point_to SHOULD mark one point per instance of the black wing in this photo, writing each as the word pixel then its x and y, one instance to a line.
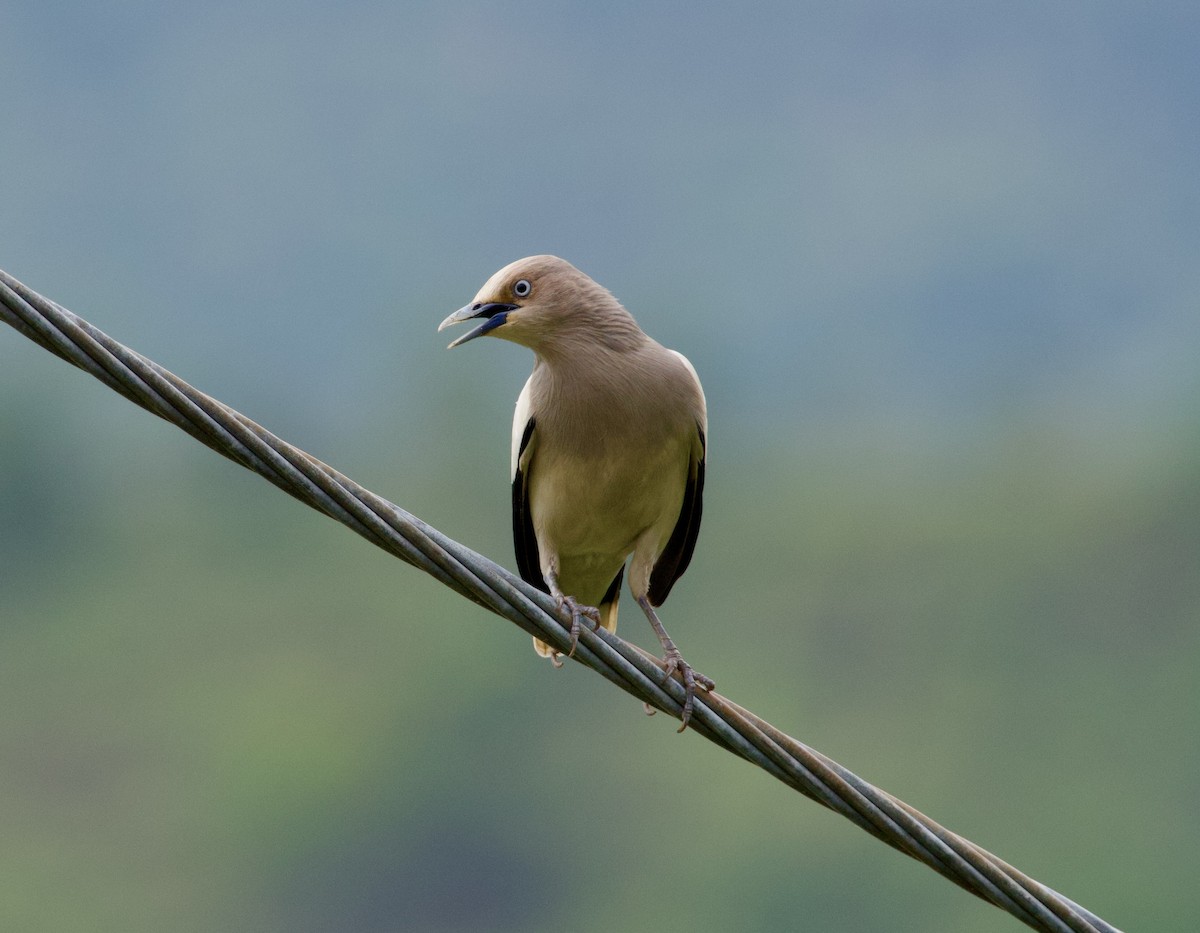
pixel 529 564
pixel 677 554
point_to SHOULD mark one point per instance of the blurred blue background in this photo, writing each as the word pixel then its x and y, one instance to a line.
pixel 939 269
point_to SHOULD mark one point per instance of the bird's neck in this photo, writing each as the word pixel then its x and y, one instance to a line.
pixel 598 390
pixel 583 346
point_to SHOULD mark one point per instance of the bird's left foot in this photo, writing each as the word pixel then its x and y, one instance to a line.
pixel 578 613
pixel 692 680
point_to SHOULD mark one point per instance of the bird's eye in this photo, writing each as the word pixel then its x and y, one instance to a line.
pixel 522 288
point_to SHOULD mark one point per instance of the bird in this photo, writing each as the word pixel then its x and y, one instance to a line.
pixel 609 444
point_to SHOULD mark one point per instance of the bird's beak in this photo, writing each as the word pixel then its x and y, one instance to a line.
pixel 494 314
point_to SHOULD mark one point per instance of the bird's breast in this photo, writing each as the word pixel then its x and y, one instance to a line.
pixel 594 503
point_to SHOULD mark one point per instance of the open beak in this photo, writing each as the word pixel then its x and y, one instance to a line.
pixel 493 313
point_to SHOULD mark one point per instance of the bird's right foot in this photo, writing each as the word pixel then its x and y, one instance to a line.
pixel 578 612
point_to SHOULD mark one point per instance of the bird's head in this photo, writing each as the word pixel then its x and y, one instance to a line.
pixel 541 301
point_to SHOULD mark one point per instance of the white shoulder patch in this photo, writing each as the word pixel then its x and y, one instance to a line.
pixel 520 419
pixel 699 388
pixel 691 369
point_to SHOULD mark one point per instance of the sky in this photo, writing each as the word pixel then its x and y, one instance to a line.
pixel 847 211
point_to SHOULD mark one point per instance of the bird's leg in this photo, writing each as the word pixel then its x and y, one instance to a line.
pixel 572 605
pixel 674 662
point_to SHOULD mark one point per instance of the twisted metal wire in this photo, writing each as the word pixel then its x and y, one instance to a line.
pixel 387 526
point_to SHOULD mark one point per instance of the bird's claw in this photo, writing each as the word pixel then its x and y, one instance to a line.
pixel 578 612
pixel 692 680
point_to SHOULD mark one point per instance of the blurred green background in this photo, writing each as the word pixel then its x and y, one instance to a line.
pixel 939 269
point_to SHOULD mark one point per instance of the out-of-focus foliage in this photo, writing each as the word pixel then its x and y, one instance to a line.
pixel 937 269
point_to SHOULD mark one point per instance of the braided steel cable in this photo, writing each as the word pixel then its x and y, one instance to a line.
pixel 387 526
